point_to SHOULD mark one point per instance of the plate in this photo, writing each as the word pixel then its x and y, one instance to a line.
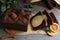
pixel 57 1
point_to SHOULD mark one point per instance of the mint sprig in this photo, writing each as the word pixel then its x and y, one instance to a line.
pixel 46 29
pixel 7 4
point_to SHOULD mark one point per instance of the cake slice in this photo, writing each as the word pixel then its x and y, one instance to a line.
pixel 40 20
pixel 53 17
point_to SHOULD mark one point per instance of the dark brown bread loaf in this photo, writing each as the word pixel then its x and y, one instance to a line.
pixel 16 19
pixel 45 3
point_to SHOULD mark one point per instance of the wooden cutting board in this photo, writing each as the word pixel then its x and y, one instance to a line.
pixel 29 30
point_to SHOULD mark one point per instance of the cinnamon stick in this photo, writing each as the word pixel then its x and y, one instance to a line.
pixel 11 33
pixel 6 36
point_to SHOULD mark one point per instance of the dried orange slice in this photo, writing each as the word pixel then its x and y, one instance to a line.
pixel 51 33
pixel 54 27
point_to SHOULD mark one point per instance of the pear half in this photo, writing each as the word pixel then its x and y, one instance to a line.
pixel 37 20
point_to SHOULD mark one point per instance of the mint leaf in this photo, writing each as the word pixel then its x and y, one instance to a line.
pixel 46 28
pixel 3 8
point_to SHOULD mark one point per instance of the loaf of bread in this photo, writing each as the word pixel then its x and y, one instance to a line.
pixel 16 19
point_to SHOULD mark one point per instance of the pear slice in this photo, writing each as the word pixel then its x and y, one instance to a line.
pixel 37 20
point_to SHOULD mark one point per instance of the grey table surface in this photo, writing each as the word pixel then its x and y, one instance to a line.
pixel 35 9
